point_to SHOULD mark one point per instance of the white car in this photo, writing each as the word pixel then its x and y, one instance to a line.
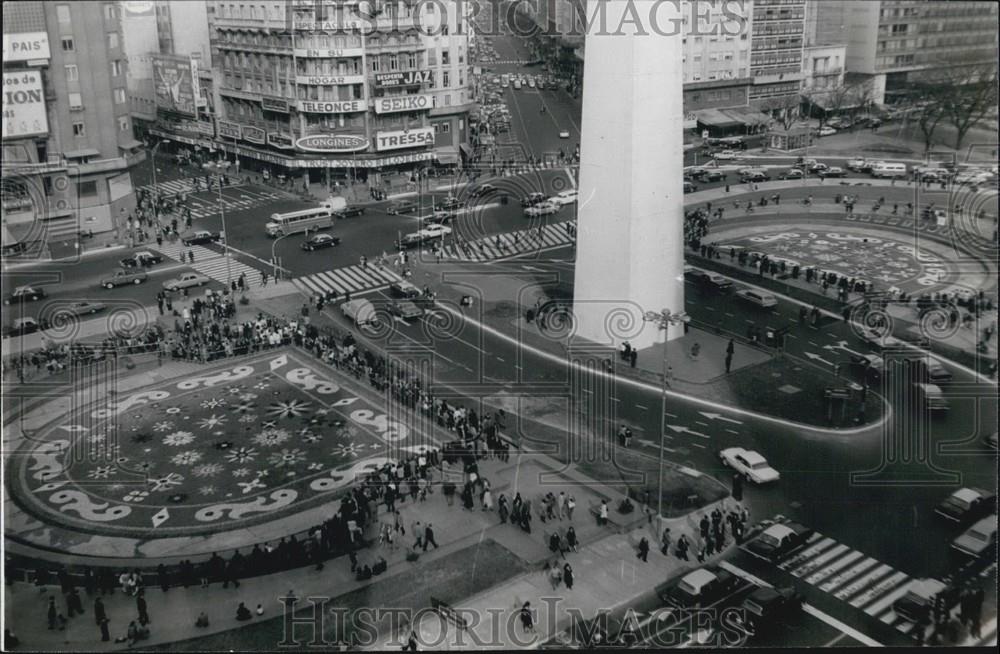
pixel 564 134
pixel 827 131
pixel 435 231
pixel 750 464
pixel 759 298
pixel 564 197
pixel 185 281
pixel 726 155
pixel 542 209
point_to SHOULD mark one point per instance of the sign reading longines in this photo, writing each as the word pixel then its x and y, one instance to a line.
pixel 332 143
pixel 399 103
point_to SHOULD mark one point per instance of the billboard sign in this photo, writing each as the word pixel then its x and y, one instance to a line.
pixel 139 7
pixel 175 83
pixel 254 134
pixel 274 104
pixel 279 140
pixel 329 80
pixel 407 78
pixel 406 139
pixel 336 107
pixel 332 143
pixel 229 129
pixel 400 103
pixel 26 46
pixel 23 105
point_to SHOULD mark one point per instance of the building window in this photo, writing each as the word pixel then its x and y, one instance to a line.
pixel 62 13
pixel 445 58
pixel 88 188
pixel 75 101
pixel 79 129
pixel 120 96
pixel 446 79
pixel 116 68
pixel 109 11
pixel 123 123
pixel 72 73
pixel 112 40
pixel 67 44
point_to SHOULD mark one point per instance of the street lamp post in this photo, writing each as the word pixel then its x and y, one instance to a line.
pixel 152 161
pixel 664 320
pixel 219 168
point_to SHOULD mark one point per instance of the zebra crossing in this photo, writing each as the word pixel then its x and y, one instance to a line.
pixel 349 279
pixel 851 577
pixel 179 186
pixel 208 262
pixel 512 243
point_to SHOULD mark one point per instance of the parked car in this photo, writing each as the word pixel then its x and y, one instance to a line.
pixel 966 505
pixel 22 327
pixel 917 603
pixel 978 541
pixel 700 588
pixel 199 237
pixel 82 308
pixel 123 277
pixel 532 199
pixel 750 464
pixel 755 176
pixel 761 299
pixel 404 206
pixel 320 241
pixel 25 294
pixel 766 608
pixel 833 171
pixel 779 540
pixel 186 280
pixel 542 209
pixel 792 173
pixel 142 259
pixel 564 197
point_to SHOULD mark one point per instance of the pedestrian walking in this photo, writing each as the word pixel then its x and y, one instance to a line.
pixel 52 613
pixel 74 605
pixel 527 619
pixel 571 542
pixel 100 613
pixel 570 507
pixel 429 537
pixel 142 608
pixel 665 542
pixel 643 552
pixel 555 575
pixel 263 278
pixel 105 629
pixel 567 576
pixel 602 515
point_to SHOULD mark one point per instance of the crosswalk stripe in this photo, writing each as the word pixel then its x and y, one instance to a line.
pixel 886 600
pixel 862 582
pixel 839 564
pixel 338 280
pixel 847 575
pixel 819 561
pixel 805 554
pixel 906 626
pixel 353 277
pixel 896 580
pixel 310 285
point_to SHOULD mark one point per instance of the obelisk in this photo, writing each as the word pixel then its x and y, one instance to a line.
pixel 630 257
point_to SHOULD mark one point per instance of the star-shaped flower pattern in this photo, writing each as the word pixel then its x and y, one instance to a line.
pixel 239 473
pixel 166 482
pixel 242 455
pixel 242 407
pixel 271 437
pixel 213 403
pixel 207 469
pixel 310 436
pixel 178 438
pixel 288 409
pixel 102 472
pixel 186 458
pixel 349 449
pixel 213 422
pixel 252 485
pixel 207 490
pixel 286 458
pixel 163 425
pixel 247 418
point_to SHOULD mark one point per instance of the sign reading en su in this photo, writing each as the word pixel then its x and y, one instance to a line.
pixel 408 139
pixel 405 78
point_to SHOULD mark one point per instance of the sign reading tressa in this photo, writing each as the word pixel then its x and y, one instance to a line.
pixel 410 139
pixel 332 143
pixel 403 103
pixel 405 78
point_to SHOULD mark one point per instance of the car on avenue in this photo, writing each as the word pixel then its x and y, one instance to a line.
pixel 858 165
pixel 406 309
pixel 833 171
pixel 689 187
pixel 792 173
pixel 186 280
pixel 978 541
pixel 726 155
pixel 123 277
pixel 542 209
pixel 826 130
pixel 750 464
pixel 426 234
pixel 404 289
pixel 700 588
pixel 532 199
pixel 817 167
pixel 22 327
pixel 81 308
pixel 24 294
pixel 320 241
pixel 141 259
pixel 405 206
pixel 564 134
pixel 761 299
pixel 713 176
pixel 779 540
pixel 917 603
pixel 710 280
pixel 450 203
pixel 199 237
pixel 755 176
pixel 564 197
pixel 483 189
pixel 349 212
pixel 767 608
pixel 966 505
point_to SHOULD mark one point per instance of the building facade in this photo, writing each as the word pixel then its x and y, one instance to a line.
pixel 894 41
pixel 776 54
pixel 68 145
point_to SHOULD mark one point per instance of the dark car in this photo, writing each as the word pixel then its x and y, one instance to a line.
pixel 700 588
pixel 778 540
pixel 689 187
pixel 713 176
pixel 918 601
pixel 818 167
pixel 966 505
pixel 141 260
pixel 24 294
pixel 404 289
pixel 533 198
pixel 756 176
pixel 22 327
pixel 833 172
pixel 766 608
pixel 349 212
pixel 484 189
pixel 320 241
pixel 792 173
pixel 448 204
pixel 710 280
pixel 404 206
pixel 199 237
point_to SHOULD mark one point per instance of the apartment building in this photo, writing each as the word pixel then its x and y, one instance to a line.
pixel 776 53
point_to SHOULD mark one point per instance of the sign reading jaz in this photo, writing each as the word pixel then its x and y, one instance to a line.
pixel 404 78
pixel 409 139
pixel 403 103
pixel 332 143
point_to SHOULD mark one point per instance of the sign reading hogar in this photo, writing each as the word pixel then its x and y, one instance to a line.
pixel 23 105
pixel 398 103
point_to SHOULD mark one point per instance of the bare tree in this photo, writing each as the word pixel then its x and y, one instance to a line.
pixel 972 94
pixel 786 107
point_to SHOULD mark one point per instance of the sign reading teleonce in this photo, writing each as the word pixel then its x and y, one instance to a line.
pixel 332 143
pixel 409 139
pixel 175 83
pixel 403 103
pixel 337 107
pixel 23 105
pixel 405 78
pixel 26 46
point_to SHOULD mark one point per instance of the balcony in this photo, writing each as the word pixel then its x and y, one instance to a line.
pixel 770 76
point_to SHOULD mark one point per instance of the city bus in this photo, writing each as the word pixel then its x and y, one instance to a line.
pixel 306 220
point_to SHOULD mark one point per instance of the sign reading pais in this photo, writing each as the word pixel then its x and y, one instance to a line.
pixel 332 143
pixel 341 107
pixel 403 103
pixel 25 46
pixel 409 139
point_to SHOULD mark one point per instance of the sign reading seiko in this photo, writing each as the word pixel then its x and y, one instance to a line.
pixel 341 107
pixel 332 143
pixel 409 139
pixel 406 78
pixel 399 103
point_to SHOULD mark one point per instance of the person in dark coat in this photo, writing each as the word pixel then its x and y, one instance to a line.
pixel 643 552
pixel 52 613
pixel 74 604
pixel 429 537
pixel 105 629
pixel 243 613
pixel 568 576
pixel 571 539
pixel 527 620
pixel 161 574
pixel 142 608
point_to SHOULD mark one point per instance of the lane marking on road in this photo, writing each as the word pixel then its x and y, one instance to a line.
pixel 709 308
pixel 733 431
pixel 639 406
pixel 699 445
pixel 814 344
pixel 843 628
pixel 730 315
pixel 835 640
pixel 699 422
pixel 501 359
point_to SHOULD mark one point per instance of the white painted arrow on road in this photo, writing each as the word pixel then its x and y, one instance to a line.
pixel 680 429
pixel 842 345
pixel 532 269
pixel 719 416
pixel 816 357
pixel 645 443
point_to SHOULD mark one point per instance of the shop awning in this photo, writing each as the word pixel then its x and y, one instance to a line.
pixel 80 154
pixel 130 144
pixel 748 117
pixel 715 118
pixel 447 156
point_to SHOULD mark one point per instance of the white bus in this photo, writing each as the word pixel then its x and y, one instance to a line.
pixel 306 220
